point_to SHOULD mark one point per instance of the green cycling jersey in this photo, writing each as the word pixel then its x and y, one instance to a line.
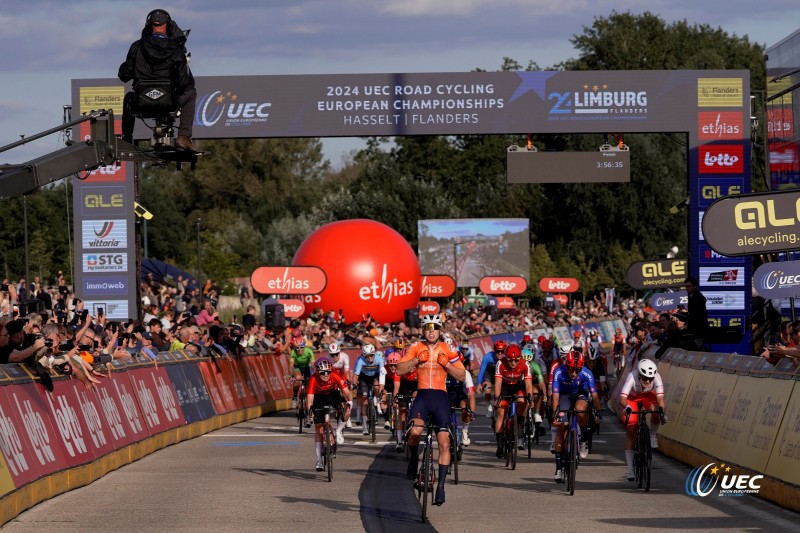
pixel 303 358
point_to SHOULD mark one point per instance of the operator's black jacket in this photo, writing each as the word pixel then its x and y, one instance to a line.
pixel 159 57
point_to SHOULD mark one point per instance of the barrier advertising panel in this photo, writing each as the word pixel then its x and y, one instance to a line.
pixel 785 457
pixel 697 400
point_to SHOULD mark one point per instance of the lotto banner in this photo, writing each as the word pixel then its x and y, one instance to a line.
pixel 708 433
pixel 183 392
pixel 784 462
pixel 221 395
pixel 120 411
pixel 753 420
pixel 480 347
pixel 156 399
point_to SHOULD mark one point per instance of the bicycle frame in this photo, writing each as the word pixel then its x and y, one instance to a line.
pixel 642 453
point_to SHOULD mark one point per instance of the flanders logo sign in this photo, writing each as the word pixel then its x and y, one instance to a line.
pixel 720 92
pixel 750 224
pixel 289 280
pixel 702 481
pixel 778 280
pixel 657 274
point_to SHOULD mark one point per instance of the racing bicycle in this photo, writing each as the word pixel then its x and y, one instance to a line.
pixel 642 453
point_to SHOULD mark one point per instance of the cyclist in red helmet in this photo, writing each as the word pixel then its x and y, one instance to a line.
pixel 512 378
pixel 573 386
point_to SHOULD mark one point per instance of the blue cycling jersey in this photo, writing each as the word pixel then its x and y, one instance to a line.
pixel 566 386
pixel 367 368
pixel 488 364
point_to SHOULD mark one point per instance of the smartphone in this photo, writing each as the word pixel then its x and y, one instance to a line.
pixel 100 311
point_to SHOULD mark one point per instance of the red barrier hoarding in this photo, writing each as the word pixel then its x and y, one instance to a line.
pixel 218 397
pixel 156 400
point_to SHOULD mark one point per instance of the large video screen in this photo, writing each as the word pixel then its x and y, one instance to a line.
pixel 469 249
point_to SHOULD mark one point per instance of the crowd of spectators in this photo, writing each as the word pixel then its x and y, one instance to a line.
pixel 61 334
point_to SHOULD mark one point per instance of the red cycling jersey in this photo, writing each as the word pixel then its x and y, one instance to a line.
pixel 317 386
pixel 411 376
pixel 512 376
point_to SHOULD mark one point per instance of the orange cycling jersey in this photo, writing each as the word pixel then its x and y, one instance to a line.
pixel 431 375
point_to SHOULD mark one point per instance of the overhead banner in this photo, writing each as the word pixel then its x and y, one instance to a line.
pixel 749 224
pixel 778 280
pixel 657 274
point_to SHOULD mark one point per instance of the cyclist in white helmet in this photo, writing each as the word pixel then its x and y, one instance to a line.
pixel 341 367
pixel 644 385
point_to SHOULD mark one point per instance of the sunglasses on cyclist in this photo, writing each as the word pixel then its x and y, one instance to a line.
pixel 335 355
pixel 648 380
pixel 431 327
pixel 324 372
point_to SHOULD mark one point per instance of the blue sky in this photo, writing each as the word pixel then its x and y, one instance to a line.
pixel 47 43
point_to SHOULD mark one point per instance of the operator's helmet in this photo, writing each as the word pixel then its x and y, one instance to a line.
pixel 513 352
pixel 527 355
pixel 367 350
pixel 334 348
pixel 323 364
pixel 647 369
pixel 574 360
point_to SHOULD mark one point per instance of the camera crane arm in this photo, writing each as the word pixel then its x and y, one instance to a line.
pixel 102 148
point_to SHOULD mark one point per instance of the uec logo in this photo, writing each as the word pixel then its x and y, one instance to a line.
pixel 702 480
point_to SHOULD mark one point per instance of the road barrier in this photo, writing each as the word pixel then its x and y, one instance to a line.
pixel 52 442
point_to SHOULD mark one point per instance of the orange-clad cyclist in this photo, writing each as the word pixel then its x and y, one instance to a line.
pixel 434 360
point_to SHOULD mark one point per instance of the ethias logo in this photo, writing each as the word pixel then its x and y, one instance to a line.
pixel 214 106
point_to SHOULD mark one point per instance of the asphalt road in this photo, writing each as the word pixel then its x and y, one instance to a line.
pixel 259 476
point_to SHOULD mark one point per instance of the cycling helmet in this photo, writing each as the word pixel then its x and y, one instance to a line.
pixel 592 332
pixel 465 345
pixel 619 331
pixel 388 351
pixel 393 358
pixel 574 360
pixel 564 350
pixel 334 348
pixel 527 355
pixel 576 334
pixel 500 346
pixel 647 369
pixel 513 352
pixel 436 320
pixel 399 344
pixel 299 342
pixel 547 345
pixel 526 339
pixel 323 363
pixel 447 338
pixel 541 339
pixel 368 349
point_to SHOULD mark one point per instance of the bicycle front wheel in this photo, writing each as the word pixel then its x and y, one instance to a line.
pixel 326 438
pixel 572 452
pixel 427 472
pixel 373 420
pixel 301 418
pixel 454 452
pixel 529 432
pixel 514 440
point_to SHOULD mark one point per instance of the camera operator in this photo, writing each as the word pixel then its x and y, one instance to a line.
pixel 22 346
